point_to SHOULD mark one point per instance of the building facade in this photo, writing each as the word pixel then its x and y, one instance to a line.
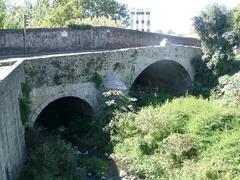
pixel 140 19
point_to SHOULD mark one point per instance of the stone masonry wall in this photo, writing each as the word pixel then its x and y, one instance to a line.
pixel 66 39
pixel 12 143
pixel 75 74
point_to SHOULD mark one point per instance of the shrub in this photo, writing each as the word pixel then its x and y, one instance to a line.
pixel 97 166
pixel 118 101
pixel 228 90
pixel 51 159
pixel 178 147
pixel 154 98
pixel 174 140
pixel 88 23
pixel 79 26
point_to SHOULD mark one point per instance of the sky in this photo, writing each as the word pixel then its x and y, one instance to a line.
pixel 175 15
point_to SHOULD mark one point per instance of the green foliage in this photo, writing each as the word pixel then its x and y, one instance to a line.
pixel 14 18
pixel 214 28
pixel 79 26
pixel 80 128
pixel 97 166
pixel 118 101
pixel 104 8
pixel 153 98
pixel 175 140
pixel 204 80
pixel 50 158
pixel 228 90
pixel 95 21
pixel 2 13
pixel 25 102
pixel 57 13
pixel 97 79
pixel 236 19
pixel 178 148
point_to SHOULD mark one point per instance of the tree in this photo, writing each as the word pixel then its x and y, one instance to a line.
pixel 105 8
pixel 236 19
pixel 55 13
pixel 214 29
pixel 14 18
pixel 40 9
pixel 2 13
pixel 15 15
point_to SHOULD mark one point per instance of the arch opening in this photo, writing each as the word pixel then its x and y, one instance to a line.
pixel 63 111
pixel 166 76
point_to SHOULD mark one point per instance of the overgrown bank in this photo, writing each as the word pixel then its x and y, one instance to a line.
pixel 186 138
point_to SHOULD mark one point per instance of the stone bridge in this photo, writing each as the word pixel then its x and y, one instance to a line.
pixel 80 78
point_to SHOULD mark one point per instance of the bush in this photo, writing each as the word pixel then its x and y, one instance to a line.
pixel 80 26
pixel 228 90
pixel 178 147
pixel 87 23
pixel 51 159
pixel 162 142
pixel 97 166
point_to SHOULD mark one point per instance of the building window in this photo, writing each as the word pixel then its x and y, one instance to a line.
pixel 148 22
pixel 142 21
pixel 140 13
pixel 137 22
pixel 132 13
pixel 147 13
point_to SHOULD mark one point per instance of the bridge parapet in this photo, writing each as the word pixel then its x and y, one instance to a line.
pixel 66 39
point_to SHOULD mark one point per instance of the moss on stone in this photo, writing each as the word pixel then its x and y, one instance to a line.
pixel 118 66
pixel 25 102
pixel 97 79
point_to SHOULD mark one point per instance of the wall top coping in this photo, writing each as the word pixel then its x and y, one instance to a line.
pixel 100 28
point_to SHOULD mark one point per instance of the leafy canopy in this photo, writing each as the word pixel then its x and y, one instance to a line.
pixel 2 13
pixel 55 13
pixel 213 25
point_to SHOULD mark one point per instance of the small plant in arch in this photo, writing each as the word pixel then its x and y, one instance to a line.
pixel 97 79
pixel 117 100
pixel 25 102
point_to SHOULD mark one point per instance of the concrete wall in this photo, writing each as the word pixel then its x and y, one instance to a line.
pixel 12 144
pixel 65 39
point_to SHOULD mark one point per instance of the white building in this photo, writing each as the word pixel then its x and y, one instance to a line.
pixel 140 19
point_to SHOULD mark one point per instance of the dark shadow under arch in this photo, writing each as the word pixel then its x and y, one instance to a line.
pixel 62 111
pixel 165 75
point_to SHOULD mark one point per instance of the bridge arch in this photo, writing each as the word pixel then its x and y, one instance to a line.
pixel 71 101
pixel 165 75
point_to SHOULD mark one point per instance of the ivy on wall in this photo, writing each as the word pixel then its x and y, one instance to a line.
pixel 25 102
